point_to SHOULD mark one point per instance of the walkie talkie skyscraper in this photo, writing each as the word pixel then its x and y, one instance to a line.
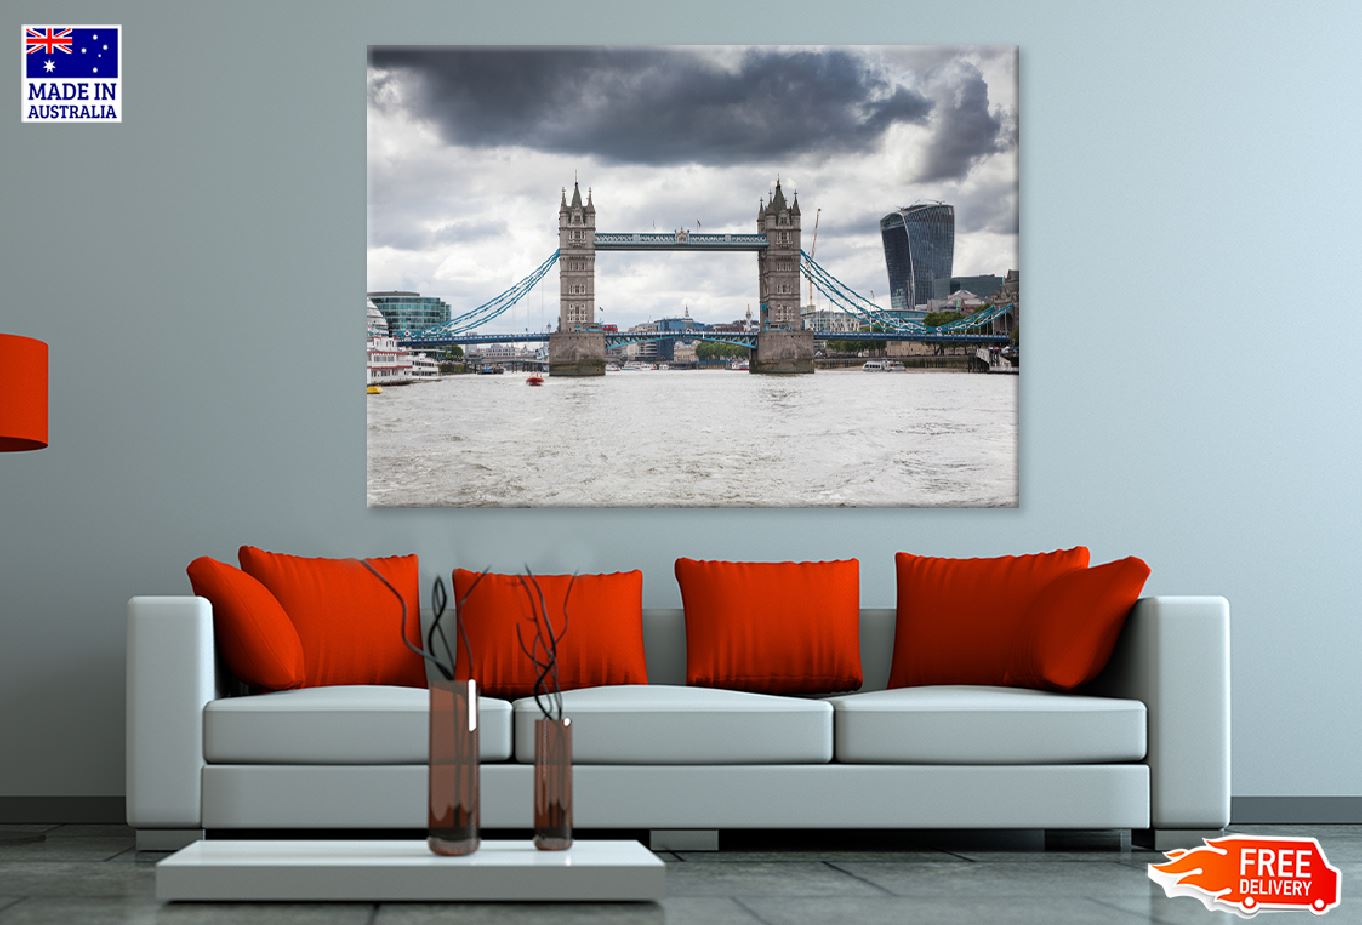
pixel 919 249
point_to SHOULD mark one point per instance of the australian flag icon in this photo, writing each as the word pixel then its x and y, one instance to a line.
pixel 69 51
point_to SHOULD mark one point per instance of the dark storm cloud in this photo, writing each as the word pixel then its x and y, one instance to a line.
pixel 653 106
pixel 990 208
pixel 966 130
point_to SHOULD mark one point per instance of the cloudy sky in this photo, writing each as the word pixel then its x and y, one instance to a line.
pixel 469 148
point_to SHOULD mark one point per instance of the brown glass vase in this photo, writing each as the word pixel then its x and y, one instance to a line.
pixel 553 784
pixel 454 767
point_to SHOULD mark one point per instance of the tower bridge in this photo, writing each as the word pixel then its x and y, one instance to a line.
pixel 780 344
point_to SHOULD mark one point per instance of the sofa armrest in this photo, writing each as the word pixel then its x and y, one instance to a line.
pixel 1174 655
pixel 172 674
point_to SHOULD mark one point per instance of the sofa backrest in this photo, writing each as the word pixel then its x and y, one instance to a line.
pixel 664 640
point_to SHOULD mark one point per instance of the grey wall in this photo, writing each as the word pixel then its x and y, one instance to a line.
pixel 1189 180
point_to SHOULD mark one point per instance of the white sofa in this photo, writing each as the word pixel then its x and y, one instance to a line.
pixel 1146 748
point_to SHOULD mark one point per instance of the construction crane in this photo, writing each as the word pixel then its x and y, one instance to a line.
pixel 813 246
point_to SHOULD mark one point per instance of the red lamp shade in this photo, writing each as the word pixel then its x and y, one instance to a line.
pixel 23 393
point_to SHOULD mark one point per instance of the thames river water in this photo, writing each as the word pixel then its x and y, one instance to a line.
pixel 700 438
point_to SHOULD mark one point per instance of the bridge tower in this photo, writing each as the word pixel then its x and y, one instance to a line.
pixel 783 346
pixel 573 350
pixel 576 261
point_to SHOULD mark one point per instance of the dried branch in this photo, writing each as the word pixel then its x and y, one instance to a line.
pixel 439 599
pixel 542 667
pixel 458 619
pixel 547 691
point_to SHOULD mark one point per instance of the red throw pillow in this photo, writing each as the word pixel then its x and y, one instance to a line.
pixel 958 618
pixel 603 642
pixel 348 622
pixel 254 635
pixel 1070 628
pixel 772 627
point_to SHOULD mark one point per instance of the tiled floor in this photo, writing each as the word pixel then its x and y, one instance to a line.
pixel 91 875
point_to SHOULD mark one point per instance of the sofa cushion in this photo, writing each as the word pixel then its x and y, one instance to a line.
pixel 958 619
pixel 257 640
pixel 662 724
pixel 349 724
pixel 956 724
pixel 602 640
pixel 772 627
pixel 1070 629
pixel 349 623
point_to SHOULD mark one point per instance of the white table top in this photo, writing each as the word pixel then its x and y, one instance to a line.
pixel 389 870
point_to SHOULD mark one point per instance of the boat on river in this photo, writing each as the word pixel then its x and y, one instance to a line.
pixel 385 362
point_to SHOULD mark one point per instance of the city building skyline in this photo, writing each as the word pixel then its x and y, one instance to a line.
pixel 919 253
pixel 468 159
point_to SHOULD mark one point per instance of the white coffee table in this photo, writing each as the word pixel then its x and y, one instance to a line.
pixel 397 871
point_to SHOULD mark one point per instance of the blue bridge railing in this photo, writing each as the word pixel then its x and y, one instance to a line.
pixel 878 323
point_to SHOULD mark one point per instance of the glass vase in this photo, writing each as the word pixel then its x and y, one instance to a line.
pixel 553 784
pixel 454 767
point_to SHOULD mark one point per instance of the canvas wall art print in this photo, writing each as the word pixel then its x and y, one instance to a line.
pixel 692 276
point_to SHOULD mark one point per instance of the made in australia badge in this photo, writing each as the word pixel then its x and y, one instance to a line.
pixel 71 73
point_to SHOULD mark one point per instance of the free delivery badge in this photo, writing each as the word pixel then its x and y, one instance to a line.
pixel 1244 875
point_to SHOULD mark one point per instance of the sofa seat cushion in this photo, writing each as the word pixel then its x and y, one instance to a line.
pixel 344 724
pixel 964 724
pixel 664 724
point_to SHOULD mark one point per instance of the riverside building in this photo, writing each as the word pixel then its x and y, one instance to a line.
pixel 986 285
pixel 410 311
